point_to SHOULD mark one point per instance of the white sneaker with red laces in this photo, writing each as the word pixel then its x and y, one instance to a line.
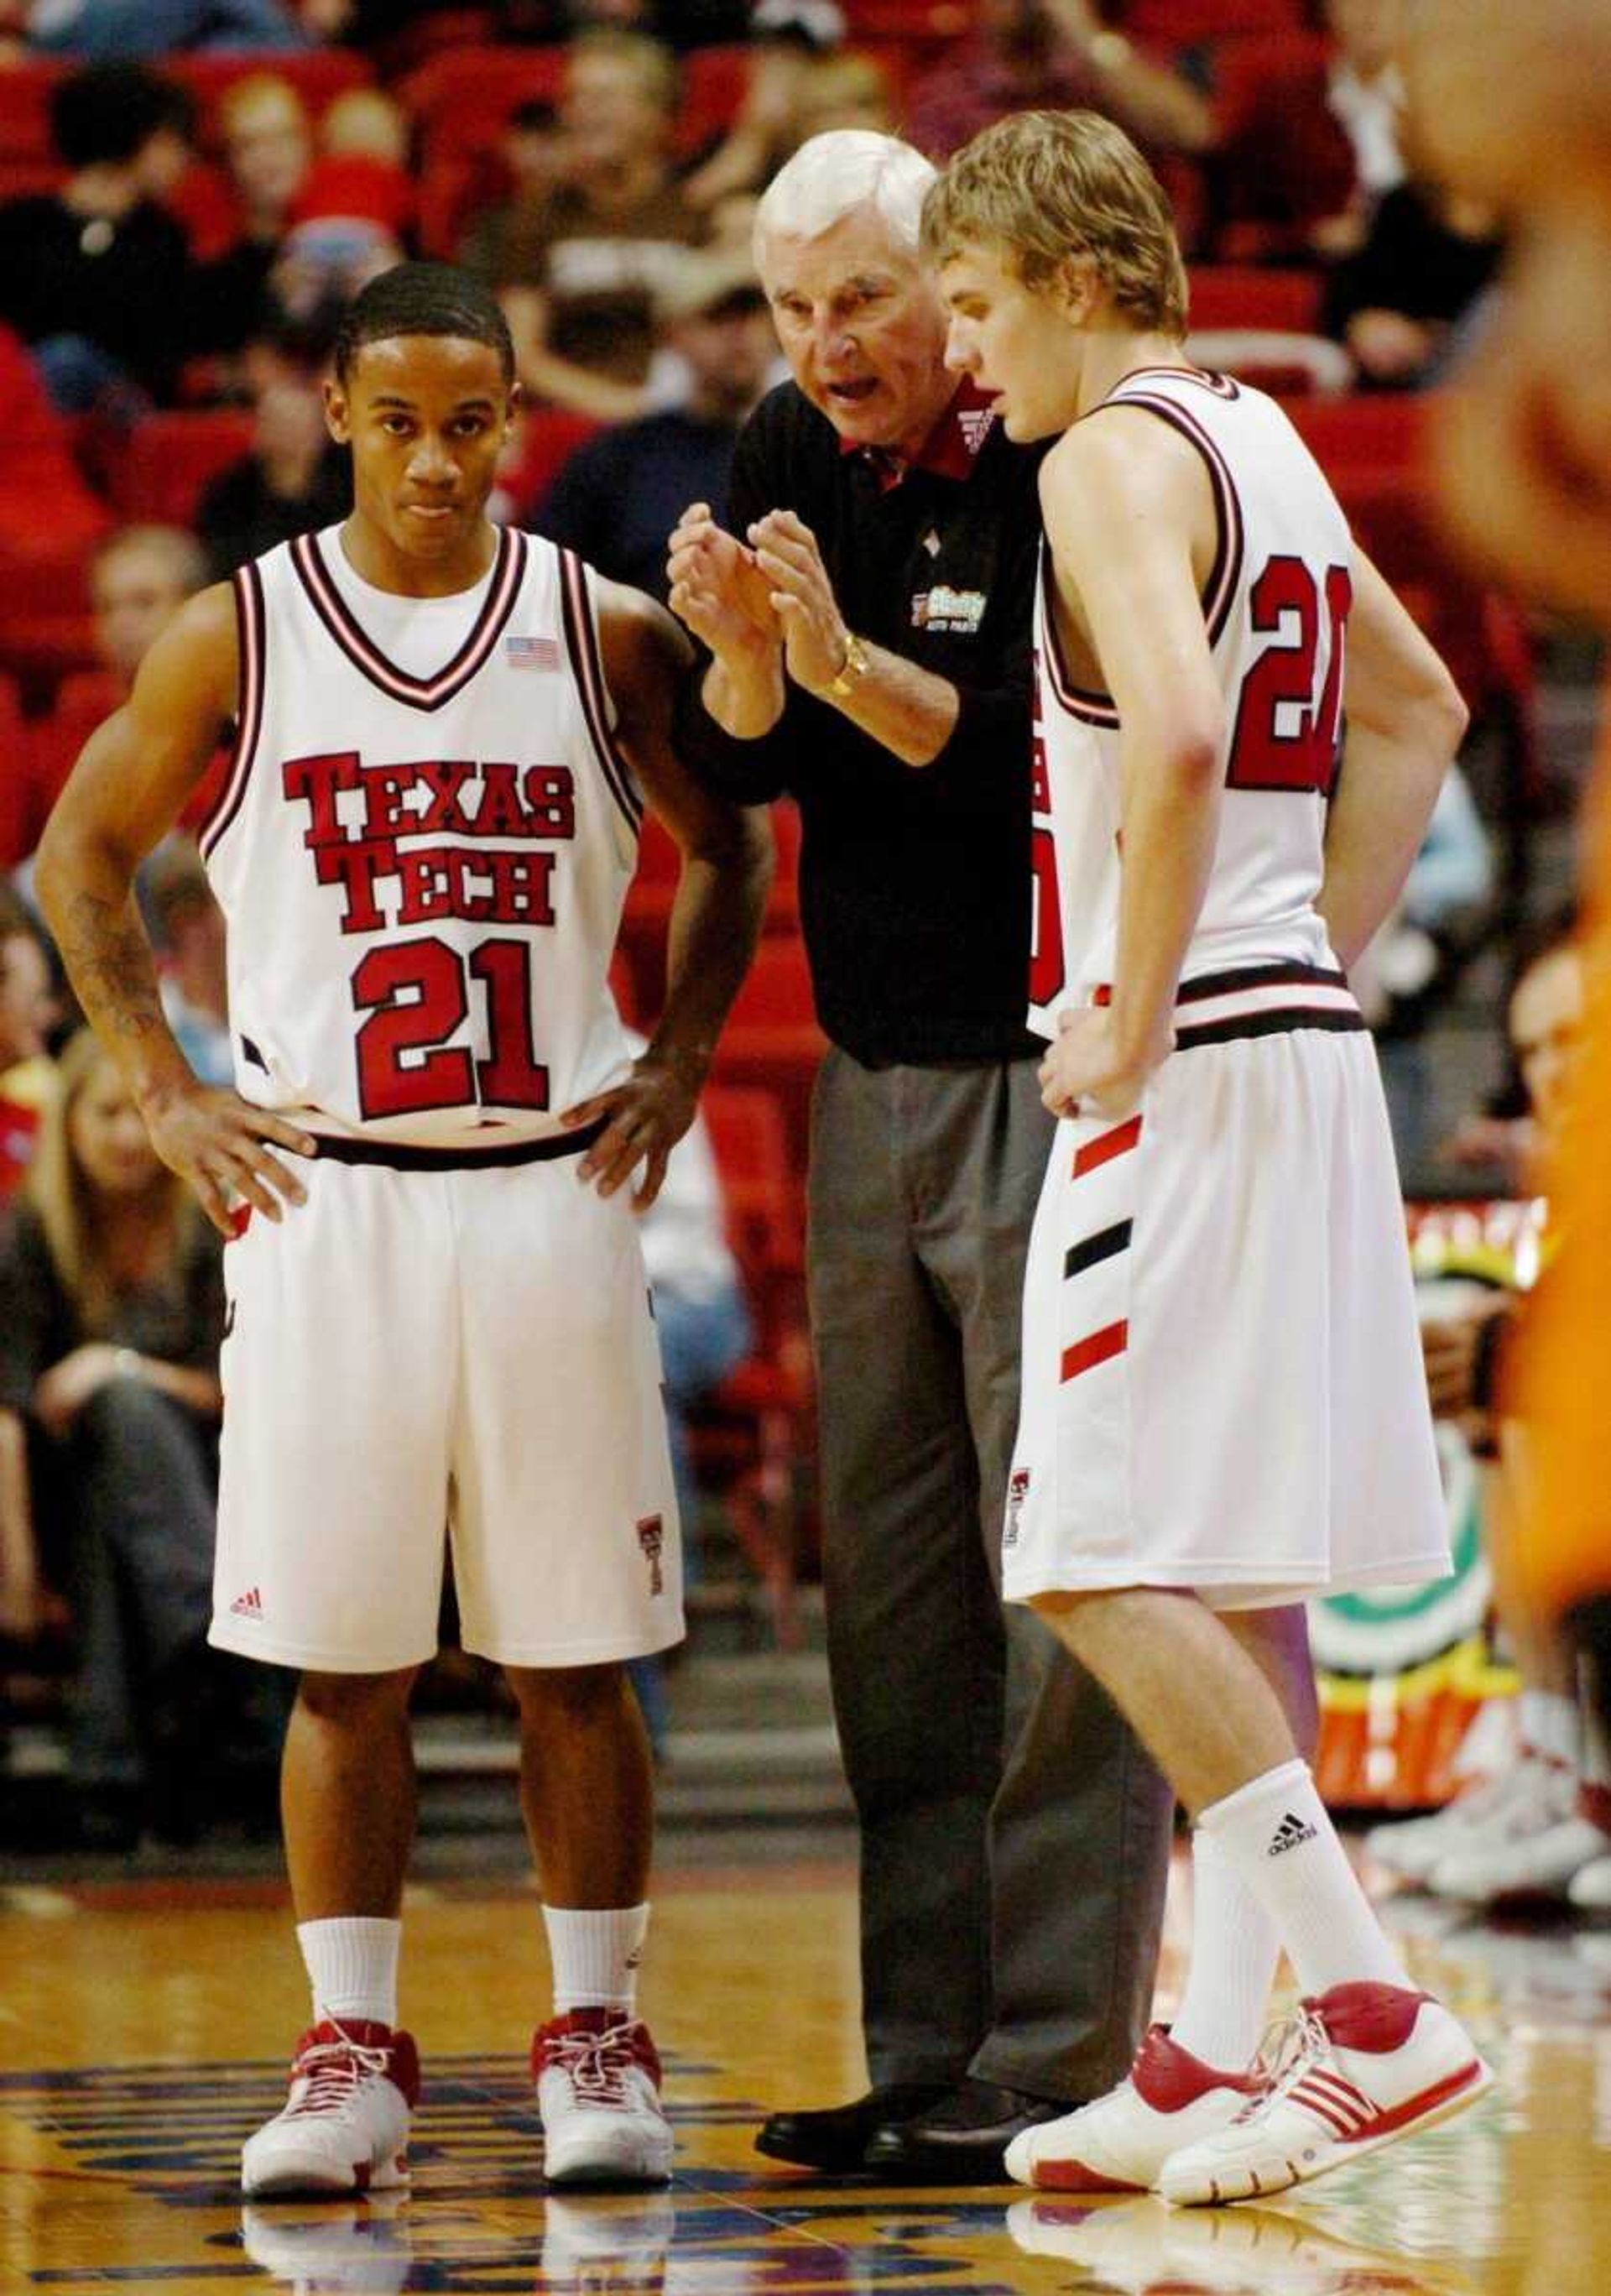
pixel 345 2125
pixel 1360 2067
pixel 1120 2143
pixel 598 2077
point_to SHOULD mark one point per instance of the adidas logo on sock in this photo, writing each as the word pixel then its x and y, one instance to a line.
pixel 248 1605
pixel 1291 1833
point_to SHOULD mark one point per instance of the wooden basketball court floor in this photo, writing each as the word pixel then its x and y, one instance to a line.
pixel 144 2027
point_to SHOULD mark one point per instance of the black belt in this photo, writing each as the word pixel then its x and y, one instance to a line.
pixel 342 1148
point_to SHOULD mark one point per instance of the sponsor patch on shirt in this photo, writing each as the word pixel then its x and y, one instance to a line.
pixel 957 613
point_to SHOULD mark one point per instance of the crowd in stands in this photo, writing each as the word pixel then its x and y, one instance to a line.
pixel 189 189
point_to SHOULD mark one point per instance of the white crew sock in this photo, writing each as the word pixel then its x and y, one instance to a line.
pixel 1234 1951
pixel 596 1956
pixel 1550 1725
pixel 352 1966
pixel 1276 1834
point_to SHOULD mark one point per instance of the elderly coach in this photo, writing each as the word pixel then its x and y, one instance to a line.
pixel 867 619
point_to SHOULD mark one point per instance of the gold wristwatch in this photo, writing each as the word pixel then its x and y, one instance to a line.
pixel 851 671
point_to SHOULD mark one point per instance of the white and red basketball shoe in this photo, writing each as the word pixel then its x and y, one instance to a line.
pixel 1360 2067
pixel 1120 2143
pixel 598 2077
pixel 345 2125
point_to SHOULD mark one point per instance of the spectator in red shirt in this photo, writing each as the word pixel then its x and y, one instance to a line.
pixel 1052 55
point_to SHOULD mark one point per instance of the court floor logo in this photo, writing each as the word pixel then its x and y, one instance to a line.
pixel 157 2148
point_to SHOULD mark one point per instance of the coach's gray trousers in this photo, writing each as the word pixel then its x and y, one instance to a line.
pixel 1014 1838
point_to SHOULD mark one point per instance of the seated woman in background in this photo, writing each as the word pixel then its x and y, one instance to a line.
pixel 111 1316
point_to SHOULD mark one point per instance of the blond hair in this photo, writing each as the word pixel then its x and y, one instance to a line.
pixel 74 1224
pixel 1052 185
pixel 659 76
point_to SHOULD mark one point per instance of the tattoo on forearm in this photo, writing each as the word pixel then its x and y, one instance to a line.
pixel 109 962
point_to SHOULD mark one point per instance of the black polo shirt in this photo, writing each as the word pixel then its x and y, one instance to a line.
pixel 914 881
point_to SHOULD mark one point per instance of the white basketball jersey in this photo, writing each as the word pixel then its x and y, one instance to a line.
pixel 1275 602
pixel 423 875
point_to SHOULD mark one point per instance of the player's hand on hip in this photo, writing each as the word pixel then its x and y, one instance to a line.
pixel 644 1120
pixel 815 637
pixel 1087 1072
pixel 717 590
pixel 224 1147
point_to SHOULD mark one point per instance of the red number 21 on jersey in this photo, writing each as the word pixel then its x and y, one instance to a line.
pixel 1284 738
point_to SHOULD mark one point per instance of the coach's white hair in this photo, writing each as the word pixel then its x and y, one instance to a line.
pixel 837 172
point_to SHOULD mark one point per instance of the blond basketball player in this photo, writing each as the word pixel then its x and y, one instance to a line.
pixel 445 735
pixel 1223 1406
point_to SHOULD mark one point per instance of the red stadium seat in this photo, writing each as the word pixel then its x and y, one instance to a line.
pixel 1245 295
pixel 45 629
pixel 462 101
pixel 1283 163
pixel 83 699
pixel 755 1436
pixel 169 459
pixel 715 81
pixel 1169 24
pixel 16 796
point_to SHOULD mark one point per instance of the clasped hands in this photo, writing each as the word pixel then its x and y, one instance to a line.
pixel 751 601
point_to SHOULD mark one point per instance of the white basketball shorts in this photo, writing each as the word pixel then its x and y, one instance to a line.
pixel 1222 1386
pixel 415 1357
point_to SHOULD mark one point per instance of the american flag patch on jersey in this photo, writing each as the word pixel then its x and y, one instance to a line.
pixel 531 653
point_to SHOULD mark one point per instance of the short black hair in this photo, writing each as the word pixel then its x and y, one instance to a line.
pixel 107 113
pixel 423 299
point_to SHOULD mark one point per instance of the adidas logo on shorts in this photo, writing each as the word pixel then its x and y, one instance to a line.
pixel 1291 1833
pixel 248 1605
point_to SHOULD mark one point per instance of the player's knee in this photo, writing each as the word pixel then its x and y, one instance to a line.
pixel 356 1701
pixel 568 1697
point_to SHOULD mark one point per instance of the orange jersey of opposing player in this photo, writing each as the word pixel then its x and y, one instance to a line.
pixel 1564 1378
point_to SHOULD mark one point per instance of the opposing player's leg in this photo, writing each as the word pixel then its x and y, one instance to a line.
pixel 586 1792
pixel 347 1799
pixel 1370 2057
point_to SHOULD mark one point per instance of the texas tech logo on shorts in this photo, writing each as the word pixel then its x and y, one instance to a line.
pixel 1018 1491
pixel 652 1538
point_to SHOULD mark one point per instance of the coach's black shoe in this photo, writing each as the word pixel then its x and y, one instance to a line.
pixel 963 2139
pixel 834 2139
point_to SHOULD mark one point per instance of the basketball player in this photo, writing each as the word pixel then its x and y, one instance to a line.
pixel 1527 455
pixel 422 851
pixel 1223 1406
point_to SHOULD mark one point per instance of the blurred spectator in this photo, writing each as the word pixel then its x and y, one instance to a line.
pixel 111 1314
pixel 187 932
pixel 702 1322
pixel 138 580
pixel 1528 1825
pixel 1546 1024
pixel 348 222
pixel 268 149
pixel 366 122
pixel 96 277
pixel 38 467
pixel 294 479
pixel 28 1011
pixel 1052 55
pixel 578 268
pixel 144 31
pixel 533 156
pixel 1425 261
pixel 788 37
pixel 619 496
pixel 1365 95
pixel 1417 957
